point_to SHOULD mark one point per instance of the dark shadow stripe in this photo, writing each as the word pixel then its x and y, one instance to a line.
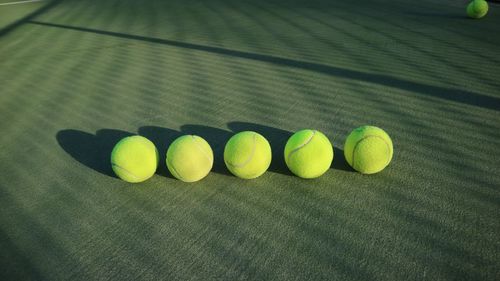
pixel 457 95
pixel 29 17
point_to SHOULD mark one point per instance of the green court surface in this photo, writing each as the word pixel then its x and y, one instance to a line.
pixel 10 12
pixel 76 76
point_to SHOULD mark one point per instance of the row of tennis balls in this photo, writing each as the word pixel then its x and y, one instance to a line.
pixel 308 154
pixel 477 9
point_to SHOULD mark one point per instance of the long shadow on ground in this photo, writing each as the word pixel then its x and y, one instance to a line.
pixel 456 95
pixel 16 265
pixel 91 150
pixel 29 17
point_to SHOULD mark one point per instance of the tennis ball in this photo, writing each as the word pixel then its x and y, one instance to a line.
pixel 190 158
pixel 134 159
pixel 247 155
pixel 368 149
pixel 477 9
pixel 308 154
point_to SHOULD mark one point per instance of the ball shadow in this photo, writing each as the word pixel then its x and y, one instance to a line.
pixel 277 139
pixel 162 138
pixel 91 150
pixel 438 15
pixel 339 162
pixel 217 139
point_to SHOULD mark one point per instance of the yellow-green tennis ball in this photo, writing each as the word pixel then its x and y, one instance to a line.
pixel 368 149
pixel 477 9
pixel 247 155
pixel 190 158
pixel 308 154
pixel 134 159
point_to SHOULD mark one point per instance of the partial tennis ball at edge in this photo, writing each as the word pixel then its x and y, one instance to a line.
pixel 477 9
pixel 368 149
pixel 134 159
pixel 308 154
pixel 190 158
pixel 247 155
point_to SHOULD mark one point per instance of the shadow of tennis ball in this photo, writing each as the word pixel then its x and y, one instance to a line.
pixel 162 138
pixel 91 150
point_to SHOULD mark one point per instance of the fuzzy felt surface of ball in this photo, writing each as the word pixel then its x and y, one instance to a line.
pixel 134 159
pixel 308 154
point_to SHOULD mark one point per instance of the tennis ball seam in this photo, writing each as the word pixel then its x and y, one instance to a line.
pixel 198 144
pixel 362 139
pixel 302 145
pixel 175 171
pixel 249 158
pixel 125 170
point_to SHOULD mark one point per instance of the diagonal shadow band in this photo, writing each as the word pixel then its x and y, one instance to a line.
pixel 16 263
pixel 36 13
pixel 456 95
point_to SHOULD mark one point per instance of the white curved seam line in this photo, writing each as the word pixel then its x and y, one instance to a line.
pixel 175 170
pixel 249 158
pixel 198 144
pixel 302 145
pixel 125 170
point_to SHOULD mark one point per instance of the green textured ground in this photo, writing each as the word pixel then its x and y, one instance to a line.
pixel 76 76
pixel 11 13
